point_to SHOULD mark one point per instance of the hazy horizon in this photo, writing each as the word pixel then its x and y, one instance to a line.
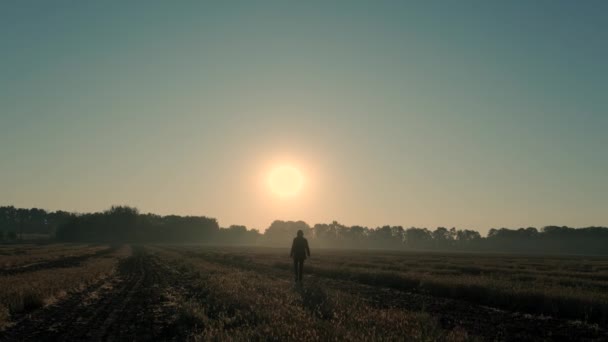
pixel 470 115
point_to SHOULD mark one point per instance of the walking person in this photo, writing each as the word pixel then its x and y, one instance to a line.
pixel 299 252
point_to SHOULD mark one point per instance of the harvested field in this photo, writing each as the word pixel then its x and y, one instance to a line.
pixel 55 259
pixel 22 256
pixel 157 292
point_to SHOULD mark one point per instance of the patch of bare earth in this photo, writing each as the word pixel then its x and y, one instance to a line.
pixel 132 305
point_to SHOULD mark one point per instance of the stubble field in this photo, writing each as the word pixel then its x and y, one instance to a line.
pixel 161 292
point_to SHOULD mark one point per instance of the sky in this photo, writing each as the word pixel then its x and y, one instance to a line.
pixel 467 114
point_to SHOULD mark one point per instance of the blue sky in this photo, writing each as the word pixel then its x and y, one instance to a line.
pixel 473 114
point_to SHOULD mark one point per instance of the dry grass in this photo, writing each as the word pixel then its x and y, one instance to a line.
pixel 28 291
pixel 22 255
pixel 235 304
pixel 247 294
pixel 572 288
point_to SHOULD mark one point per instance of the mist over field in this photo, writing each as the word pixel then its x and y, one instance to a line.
pixel 181 277
pixel 303 170
pixel 122 224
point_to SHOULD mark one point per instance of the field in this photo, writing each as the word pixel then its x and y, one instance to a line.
pixel 164 292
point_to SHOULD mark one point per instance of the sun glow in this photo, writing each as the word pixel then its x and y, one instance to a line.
pixel 285 181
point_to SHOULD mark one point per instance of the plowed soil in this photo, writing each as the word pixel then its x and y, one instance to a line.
pixel 135 305
pixel 58 263
pixel 127 307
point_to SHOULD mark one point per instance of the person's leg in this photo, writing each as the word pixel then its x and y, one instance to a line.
pixel 300 269
pixel 295 267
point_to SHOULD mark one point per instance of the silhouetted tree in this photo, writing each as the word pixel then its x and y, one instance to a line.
pixel 418 238
pixel 127 224
pixel 239 235
pixel 281 232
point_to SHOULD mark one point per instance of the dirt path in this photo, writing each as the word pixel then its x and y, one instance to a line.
pixel 128 307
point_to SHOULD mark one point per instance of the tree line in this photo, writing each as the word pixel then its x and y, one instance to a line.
pixel 17 222
pixel 127 224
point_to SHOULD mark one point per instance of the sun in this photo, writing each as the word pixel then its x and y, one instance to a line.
pixel 285 181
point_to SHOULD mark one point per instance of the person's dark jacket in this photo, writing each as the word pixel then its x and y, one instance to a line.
pixel 299 248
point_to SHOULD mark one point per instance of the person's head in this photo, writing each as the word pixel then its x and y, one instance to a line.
pixel 300 233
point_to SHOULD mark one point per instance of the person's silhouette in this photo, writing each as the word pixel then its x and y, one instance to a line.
pixel 299 252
